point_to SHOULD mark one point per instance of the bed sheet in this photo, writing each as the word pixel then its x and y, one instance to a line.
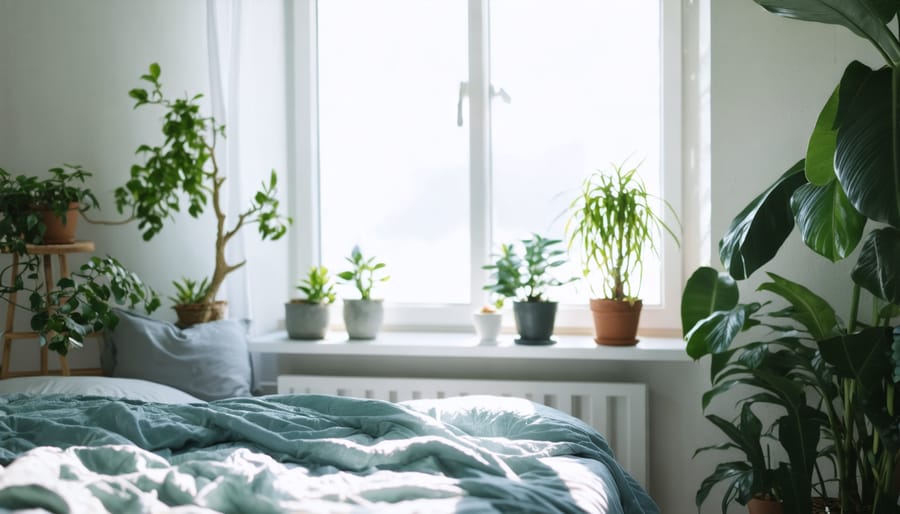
pixel 305 453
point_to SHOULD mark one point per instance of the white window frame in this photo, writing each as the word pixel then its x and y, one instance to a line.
pixel 303 178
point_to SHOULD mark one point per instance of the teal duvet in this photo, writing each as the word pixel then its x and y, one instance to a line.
pixel 305 453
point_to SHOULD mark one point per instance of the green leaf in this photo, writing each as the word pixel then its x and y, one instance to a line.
pixel 758 231
pixel 154 70
pixel 828 223
pixel 738 471
pixel 878 265
pixel 865 18
pixel 715 333
pixel 864 156
pixel 810 310
pixel 705 292
pixel 822 142
pixel 863 356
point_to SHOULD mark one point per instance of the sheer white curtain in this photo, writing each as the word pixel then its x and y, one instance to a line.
pixel 247 94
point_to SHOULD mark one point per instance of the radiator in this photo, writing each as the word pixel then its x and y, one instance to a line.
pixel 618 411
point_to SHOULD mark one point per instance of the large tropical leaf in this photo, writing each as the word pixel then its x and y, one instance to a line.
pixel 863 157
pixel 866 18
pixel 878 267
pixel 758 231
pixel 822 142
pixel 828 223
pixel 809 309
pixel 715 333
pixel 799 434
pixel 741 475
pixel 864 356
pixel 707 291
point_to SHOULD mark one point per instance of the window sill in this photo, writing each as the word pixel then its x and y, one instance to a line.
pixel 466 345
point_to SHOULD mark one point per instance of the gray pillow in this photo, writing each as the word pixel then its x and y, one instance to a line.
pixel 209 360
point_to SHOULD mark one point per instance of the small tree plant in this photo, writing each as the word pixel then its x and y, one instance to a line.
pixel 526 276
pixel 185 167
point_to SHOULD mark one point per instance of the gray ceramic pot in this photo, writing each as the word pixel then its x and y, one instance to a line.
pixel 363 318
pixel 534 322
pixel 306 320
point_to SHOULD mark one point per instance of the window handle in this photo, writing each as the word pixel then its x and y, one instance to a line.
pixel 464 92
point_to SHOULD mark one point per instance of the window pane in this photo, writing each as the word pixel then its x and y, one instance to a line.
pixel 583 76
pixel 394 165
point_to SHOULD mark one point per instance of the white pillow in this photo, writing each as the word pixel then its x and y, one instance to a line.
pixel 129 388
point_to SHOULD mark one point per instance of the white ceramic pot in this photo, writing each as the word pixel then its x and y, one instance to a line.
pixel 487 325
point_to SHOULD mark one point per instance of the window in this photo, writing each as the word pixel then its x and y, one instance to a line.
pixel 431 132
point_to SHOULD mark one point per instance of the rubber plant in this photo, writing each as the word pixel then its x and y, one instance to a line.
pixel 185 169
pixel 849 176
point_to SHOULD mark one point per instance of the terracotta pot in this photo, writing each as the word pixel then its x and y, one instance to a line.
pixel 761 506
pixel 615 322
pixel 194 313
pixel 59 231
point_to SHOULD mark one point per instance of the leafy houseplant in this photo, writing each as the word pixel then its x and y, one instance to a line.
pixel 363 317
pixel 31 205
pixel 307 318
pixel 612 223
pixel 63 313
pixel 851 174
pixel 185 167
pixel 527 278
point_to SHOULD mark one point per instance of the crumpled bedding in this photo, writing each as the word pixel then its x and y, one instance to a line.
pixel 305 453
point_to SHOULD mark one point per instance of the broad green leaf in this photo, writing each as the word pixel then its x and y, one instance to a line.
pixel 822 142
pixel 864 154
pixel 154 70
pixel 706 291
pixel 738 471
pixel 798 433
pixel 715 333
pixel 828 223
pixel 810 310
pixel 758 231
pixel 855 74
pixel 865 18
pixel 878 267
pixel 864 356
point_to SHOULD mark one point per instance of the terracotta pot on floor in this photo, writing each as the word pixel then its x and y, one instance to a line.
pixel 615 322
pixel 763 506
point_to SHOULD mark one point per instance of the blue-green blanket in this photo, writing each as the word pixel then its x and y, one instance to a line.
pixel 305 453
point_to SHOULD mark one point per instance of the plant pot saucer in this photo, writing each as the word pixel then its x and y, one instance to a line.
pixel 535 342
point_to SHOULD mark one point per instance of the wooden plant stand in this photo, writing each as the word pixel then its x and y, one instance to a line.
pixel 61 251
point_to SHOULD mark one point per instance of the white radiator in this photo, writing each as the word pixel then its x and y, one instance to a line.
pixel 618 411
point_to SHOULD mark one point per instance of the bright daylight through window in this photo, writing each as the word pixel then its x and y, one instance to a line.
pixel 574 85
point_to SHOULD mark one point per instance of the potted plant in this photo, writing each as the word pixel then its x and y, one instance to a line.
pixel 488 321
pixel 43 210
pixel 363 317
pixel 184 168
pixel 526 278
pixel 751 481
pixel 188 302
pixel 307 318
pixel 64 312
pixel 611 224
pixel 850 175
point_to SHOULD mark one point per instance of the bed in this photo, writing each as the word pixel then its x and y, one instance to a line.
pixel 97 444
